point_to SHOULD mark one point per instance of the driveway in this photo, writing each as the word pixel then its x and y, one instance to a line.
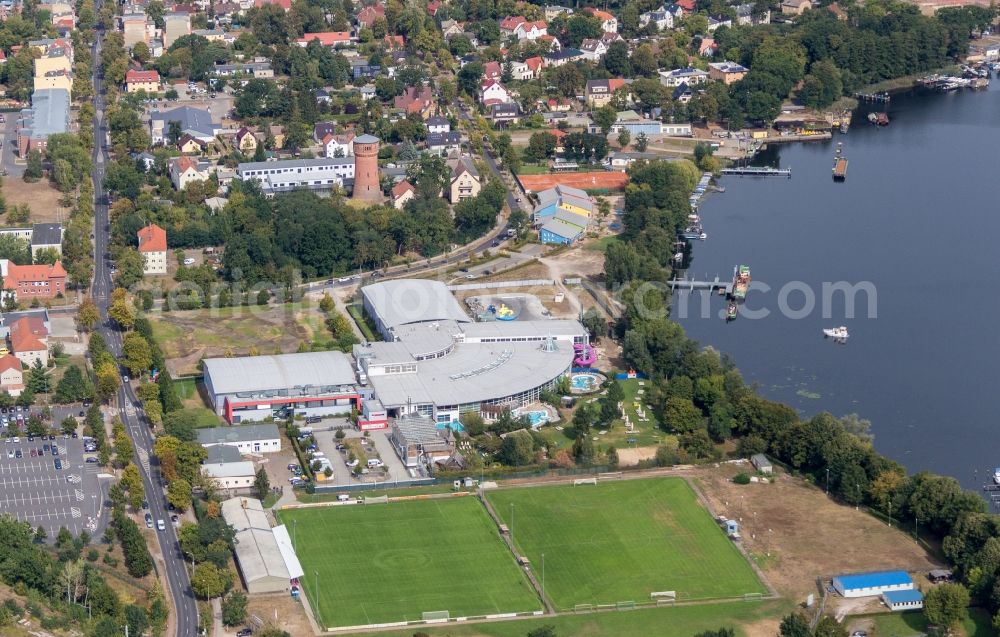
pixel 8 139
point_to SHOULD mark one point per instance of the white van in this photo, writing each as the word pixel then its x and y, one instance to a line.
pixel 318 454
pixel 343 497
pixel 374 462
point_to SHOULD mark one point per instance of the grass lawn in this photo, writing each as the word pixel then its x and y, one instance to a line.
pixel 186 388
pixel 601 245
pixel 680 621
pixel 621 541
pixel 401 559
pixel 533 169
pixel 912 623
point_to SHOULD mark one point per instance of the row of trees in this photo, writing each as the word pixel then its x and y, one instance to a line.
pixel 700 396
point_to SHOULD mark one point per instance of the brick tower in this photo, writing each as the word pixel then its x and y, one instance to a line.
pixel 366 182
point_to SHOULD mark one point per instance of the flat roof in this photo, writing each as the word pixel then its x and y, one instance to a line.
pixel 321 162
pixel 222 453
pixel 875 579
pixel 902 597
pixel 250 374
pixel 287 552
pixel 239 469
pixel 50 112
pixel 403 301
pixel 238 433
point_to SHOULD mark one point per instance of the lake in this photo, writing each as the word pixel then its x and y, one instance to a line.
pixel 917 219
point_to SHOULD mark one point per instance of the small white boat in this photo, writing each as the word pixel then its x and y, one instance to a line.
pixel 996 475
pixel 836 332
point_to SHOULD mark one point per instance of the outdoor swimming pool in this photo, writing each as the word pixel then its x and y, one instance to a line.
pixel 585 382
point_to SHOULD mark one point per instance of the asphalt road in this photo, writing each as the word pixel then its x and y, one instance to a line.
pixel 185 607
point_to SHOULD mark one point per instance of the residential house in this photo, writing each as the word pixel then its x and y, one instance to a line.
pixel 833 7
pixel 444 143
pixel 259 70
pixel 326 38
pixel 246 141
pixel 521 71
pixel 492 71
pixel 136 28
pixel 465 179
pixel 661 17
pixel 714 22
pixel 148 81
pixel 531 31
pixel 40 281
pixel 503 114
pixel 687 6
pixel 284 4
pixel 433 6
pixel 46 236
pixel 553 10
pixel 196 122
pixel 394 42
pixel 368 15
pixel 416 100
pixel 608 21
pixel 563 56
pixel 191 145
pixel 11 375
pixel 451 28
pixel 748 15
pixel 401 193
pixel 438 124
pixel 322 129
pixel 212 35
pixel 795 7
pixel 550 41
pixel 535 64
pixel 599 92
pixel 185 170
pixel 593 49
pixel 610 37
pixel 29 341
pixel 493 92
pixel 726 72
pixel 682 94
pixel 338 145
pixel 153 248
pixel 707 47
pixel 689 75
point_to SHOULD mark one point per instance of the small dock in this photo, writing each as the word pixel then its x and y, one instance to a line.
pixel 725 287
pixel 758 171
pixel 878 98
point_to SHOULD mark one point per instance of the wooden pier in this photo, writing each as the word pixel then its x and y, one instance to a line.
pixel 883 97
pixel 757 171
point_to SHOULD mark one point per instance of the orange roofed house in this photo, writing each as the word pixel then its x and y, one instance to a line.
pixel 33 281
pixel 11 375
pixel 416 100
pixel 29 340
pixel 153 248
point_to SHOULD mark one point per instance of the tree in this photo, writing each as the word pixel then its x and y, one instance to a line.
pixel 543 631
pixel 179 494
pixel 68 425
pixel 605 117
pixel 38 378
pixel 681 415
pixel 794 625
pixel 641 142
pixel 583 449
pixel 234 608
pixel 261 484
pixel 136 354
pixel 130 267
pixel 624 137
pixel 829 627
pixel 946 605
pixel 131 481
pixel 122 312
pixel 136 617
pixel 108 380
pixel 517 449
pixel 33 170
pixel 208 580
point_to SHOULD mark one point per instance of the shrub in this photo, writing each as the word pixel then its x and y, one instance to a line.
pixel 741 478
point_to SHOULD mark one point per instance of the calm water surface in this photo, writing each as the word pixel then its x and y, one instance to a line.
pixel 918 218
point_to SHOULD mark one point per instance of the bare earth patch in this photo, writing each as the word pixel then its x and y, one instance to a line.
pixel 41 198
pixel 810 535
pixel 291 617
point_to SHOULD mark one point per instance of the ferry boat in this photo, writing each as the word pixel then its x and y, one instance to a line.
pixel 836 332
pixel 741 282
pixel 840 169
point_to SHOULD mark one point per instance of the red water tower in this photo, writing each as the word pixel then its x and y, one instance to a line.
pixel 366 186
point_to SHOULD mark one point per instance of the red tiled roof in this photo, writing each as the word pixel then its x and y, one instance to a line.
pixel 8 362
pixel 687 5
pixel 142 76
pixel 492 70
pixel 393 41
pixel 26 334
pixel 433 6
pixel 401 189
pixel 326 38
pixel 184 162
pixel 28 273
pixel 535 63
pixel 152 238
pixel 600 15
pixel 510 22
pixel 284 4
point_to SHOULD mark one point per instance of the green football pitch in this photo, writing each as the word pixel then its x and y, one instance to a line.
pixel 393 562
pixel 620 541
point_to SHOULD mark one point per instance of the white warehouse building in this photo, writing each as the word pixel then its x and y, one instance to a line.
pixel 315 174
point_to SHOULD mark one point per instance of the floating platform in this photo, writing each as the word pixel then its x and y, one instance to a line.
pixel 758 171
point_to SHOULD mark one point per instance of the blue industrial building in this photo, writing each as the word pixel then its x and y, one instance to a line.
pixel 872 584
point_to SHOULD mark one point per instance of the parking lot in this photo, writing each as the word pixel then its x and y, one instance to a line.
pixel 33 490
pixel 376 446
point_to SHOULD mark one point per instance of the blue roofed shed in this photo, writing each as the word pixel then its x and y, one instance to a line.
pixel 872 584
pixel 903 600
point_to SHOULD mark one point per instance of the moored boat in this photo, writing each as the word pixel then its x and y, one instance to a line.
pixel 836 332
pixel 731 312
pixel 741 282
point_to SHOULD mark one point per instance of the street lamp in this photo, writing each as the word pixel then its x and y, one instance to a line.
pixel 543 579
pixel 828 480
pixel 512 526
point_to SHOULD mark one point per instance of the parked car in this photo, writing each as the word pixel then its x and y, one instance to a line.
pixel 149 521
pixel 244 632
pixel 91 460
pixel 58 464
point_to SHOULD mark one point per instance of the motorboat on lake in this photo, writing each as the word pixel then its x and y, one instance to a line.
pixel 836 332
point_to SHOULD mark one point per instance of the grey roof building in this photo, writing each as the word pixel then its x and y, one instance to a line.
pixel 265 556
pixel 316 174
pixel 196 122
pixel 249 388
pixel 392 304
pixel 48 115
pixel 222 454
pixel 245 438
pixel 46 235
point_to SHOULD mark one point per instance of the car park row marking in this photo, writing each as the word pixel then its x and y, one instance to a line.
pixel 32 466
pixel 48 515
pixel 32 481
pixel 38 497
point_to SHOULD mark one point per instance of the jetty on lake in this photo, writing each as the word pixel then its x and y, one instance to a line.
pixel 757 171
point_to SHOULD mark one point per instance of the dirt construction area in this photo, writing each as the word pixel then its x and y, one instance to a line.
pixel 807 534
pixel 589 180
